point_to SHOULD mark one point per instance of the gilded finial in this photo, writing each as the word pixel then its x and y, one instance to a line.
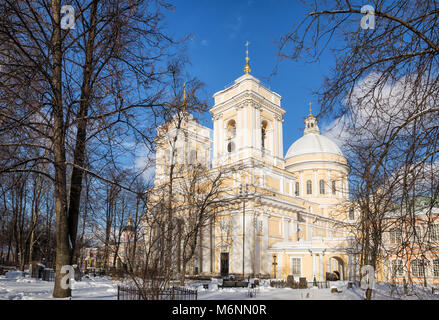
pixel 310 109
pixel 247 68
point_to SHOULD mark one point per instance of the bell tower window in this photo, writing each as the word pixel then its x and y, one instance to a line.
pixel 230 136
pixel 264 134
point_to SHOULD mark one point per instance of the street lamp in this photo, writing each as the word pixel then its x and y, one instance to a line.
pixel 275 266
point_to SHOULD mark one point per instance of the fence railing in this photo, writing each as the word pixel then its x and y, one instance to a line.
pixel 174 293
pixel 43 274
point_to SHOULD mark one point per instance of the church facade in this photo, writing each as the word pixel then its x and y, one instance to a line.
pixel 291 219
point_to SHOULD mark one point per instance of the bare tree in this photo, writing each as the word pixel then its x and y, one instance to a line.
pixel 384 92
pixel 63 90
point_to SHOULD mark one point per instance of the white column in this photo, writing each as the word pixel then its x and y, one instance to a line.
pixel 257 127
pixel 286 229
pixel 215 137
pixel 279 266
pixel 239 129
pixel 236 256
pixel 246 132
pixel 220 136
pixel 350 276
pixel 321 266
pixel 280 139
pixel 276 136
pixel 252 127
pixel 313 265
pixel 266 262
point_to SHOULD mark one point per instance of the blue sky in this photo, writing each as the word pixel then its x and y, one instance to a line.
pixel 216 50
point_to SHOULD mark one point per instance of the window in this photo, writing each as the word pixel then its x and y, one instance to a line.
pixel 395 236
pixel 351 214
pixel 397 268
pixel 231 129
pixel 264 134
pixel 415 234
pixel 322 186
pixel 334 188
pixel 434 233
pixel 309 187
pixel 192 158
pixel 417 268
pixel 297 189
pixel 296 266
pixel 436 267
pixel 231 147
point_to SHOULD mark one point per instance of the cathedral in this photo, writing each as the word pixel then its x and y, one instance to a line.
pixel 293 223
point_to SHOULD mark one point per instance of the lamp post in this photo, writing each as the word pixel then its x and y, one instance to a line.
pixel 275 266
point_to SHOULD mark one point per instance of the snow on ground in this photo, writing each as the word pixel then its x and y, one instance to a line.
pixel 15 286
pixel 383 291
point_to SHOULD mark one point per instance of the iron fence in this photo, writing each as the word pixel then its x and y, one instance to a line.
pixel 174 293
pixel 45 274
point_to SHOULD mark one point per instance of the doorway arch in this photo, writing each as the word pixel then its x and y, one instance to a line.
pixel 337 265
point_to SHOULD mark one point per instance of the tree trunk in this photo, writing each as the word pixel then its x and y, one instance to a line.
pixel 63 248
pixel 79 153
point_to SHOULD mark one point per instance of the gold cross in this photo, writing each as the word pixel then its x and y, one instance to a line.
pixel 310 110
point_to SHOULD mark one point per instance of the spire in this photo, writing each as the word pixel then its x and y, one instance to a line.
pixel 247 68
pixel 311 123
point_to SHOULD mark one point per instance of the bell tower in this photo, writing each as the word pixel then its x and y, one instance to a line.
pixel 247 119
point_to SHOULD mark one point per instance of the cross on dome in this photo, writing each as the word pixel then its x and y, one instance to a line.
pixel 311 123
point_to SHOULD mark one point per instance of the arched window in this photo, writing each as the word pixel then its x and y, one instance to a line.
pixel 322 186
pixel 351 214
pixel 417 267
pixel 231 129
pixel 334 187
pixel 230 147
pixel 297 189
pixel 263 134
pixel 309 187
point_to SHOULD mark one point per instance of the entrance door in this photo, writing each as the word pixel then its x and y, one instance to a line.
pixel 224 264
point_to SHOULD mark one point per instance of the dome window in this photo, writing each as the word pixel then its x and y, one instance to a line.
pixel 309 187
pixel 322 186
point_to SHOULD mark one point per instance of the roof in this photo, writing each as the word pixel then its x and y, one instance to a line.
pixel 313 143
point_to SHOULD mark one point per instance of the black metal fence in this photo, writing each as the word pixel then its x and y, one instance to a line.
pixel 174 293
pixel 45 274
